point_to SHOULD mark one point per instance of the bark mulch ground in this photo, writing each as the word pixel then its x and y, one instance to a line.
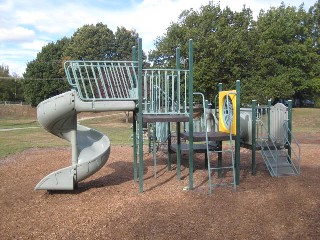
pixel 108 205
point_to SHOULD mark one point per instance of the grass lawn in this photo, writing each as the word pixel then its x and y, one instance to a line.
pixel 32 135
pixel 113 125
pixel 306 120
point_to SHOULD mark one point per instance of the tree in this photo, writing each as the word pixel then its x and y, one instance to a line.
pixel 91 42
pixel 222 43
pixel 285 53
pixel 44 76
pixel 275 56
pixel 124 41
pixel 10 86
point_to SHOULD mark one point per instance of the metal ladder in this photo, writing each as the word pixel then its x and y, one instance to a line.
pixel 229 150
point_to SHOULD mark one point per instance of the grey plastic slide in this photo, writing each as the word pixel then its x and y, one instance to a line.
pixel 90 148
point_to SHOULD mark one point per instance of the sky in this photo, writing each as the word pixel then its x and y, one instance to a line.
pixel 27 26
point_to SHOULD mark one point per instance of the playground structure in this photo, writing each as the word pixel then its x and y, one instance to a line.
pixel 158 99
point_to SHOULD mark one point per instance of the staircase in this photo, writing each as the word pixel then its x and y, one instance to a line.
pixel 282 157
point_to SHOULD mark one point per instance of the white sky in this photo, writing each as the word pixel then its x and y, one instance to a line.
pixel 27 26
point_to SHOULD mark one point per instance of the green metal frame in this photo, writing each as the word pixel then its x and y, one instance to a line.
pixel 190 114
pixel 140 119
pixel 254 132
pixel 140 115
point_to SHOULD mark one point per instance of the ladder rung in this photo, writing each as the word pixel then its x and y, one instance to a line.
pixel 222 151
pixel 222 184
pixel 218 168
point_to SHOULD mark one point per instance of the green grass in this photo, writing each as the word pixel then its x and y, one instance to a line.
pixel 11 142
pixel 16 141
pixel 113 125
pixel 306 120
pixel 11 122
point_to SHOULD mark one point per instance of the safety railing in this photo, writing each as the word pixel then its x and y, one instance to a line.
pixel 165 90
pixel 267 145
pixel 294 148
pixel 103 80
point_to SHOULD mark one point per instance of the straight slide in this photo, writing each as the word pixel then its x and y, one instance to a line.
pixel 90 148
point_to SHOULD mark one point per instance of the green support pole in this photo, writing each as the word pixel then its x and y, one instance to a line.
pixel 140 115
pixel 135 152
pixel 169 147
pixel 289 126
pixel 220 143
pixel 269 107
pixel 134 127
pixel 134 58
pixel 154 148
pixel 253 136
pixel 178 151
pixel 237 147
pixel 178 66
pixel 190 95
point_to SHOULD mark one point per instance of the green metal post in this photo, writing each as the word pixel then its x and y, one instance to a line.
pixel 169 146
pixel 190 95
pixel 134 127
pixel 178 151
pixel 253 136
pixel 154 148
pixel 178 66
pixel 269 107
pixel 140 115
pixel 237 147
pixel 134 58
pixel 135 152
pixel 220 143
pixel 289 126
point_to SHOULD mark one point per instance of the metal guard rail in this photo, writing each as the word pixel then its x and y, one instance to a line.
pixel 101 80
pixel 264 140
pixel 164 90
pixel 297 155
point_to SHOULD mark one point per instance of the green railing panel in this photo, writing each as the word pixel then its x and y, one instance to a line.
pixel 165 91
pixel 103 80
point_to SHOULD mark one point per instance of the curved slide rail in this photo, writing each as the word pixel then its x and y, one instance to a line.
pixel 90 148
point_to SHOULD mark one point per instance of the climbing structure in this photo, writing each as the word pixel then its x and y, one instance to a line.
pixel 158 98
pixel 269 129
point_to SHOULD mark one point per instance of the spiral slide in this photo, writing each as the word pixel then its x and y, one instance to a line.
pixel 90 148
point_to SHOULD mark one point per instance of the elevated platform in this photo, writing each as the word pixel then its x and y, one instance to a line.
pixel 197 148
pixel 212 136
pixel 152 118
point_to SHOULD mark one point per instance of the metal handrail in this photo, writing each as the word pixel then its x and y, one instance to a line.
pixel 102 80
pixel 297 155
pixel 265 139
pixel 161 87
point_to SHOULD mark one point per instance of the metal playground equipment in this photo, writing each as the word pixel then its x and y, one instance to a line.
pixel 163 99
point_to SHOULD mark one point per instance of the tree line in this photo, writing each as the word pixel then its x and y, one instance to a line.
pixel 11 87
pixel 276 55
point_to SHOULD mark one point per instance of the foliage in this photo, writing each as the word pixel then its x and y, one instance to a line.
pixel 10 86
pixel 275 56
pixel 45 75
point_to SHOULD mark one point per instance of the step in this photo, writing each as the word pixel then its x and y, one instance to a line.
pixel 197 148
pixel 212 136
pixel 281 171
pixel 266 145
